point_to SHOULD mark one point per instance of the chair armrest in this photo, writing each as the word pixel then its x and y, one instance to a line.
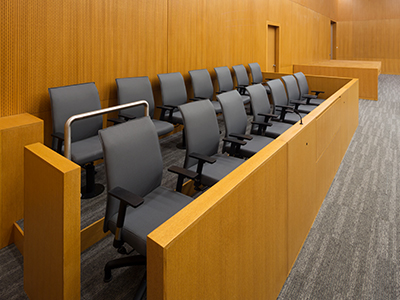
pixel 297 103
pixel 126 198
pixel 285 109
pixel 265 124
pixel 308 96
pixel 268 115
pixel 241 136
pixel 116 120
pixel 202 157
pixel 201 160
pixel 182 174
pixel 220 92
pixel 58 135
pixel 60 139
pixel 198 98
pixel 317 92
pixel 165 108
pixel 235 145
pixel 261 126
pixel 126 116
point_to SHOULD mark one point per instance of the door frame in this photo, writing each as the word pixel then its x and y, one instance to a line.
pixel 277 44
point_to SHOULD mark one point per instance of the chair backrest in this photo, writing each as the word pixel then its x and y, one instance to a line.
pixel 292 88
pixel 201 129
pixel 278 92
pixel 234 113
pixel 132 159
pixel 259 101
pixel 241 75
pixel 67 101
pixel 302 82
pixel 224 78
pixel 173 90
pixel 133 89
pixel 256 73
pixel 202 84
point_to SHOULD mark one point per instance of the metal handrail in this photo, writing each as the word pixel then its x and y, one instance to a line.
pixel 67 126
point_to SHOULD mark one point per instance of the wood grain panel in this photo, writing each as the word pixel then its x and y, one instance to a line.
pixel 326 8
pixel 234 236
pixel 366 71
pixel 371 40
pixel 52 225
pixel 15 133
pixel 56 43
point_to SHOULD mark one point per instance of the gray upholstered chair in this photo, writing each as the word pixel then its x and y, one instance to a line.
pixel 225 82
pixel 257 76
pixel 203 87
pixel 235 120
pixel 294 96
pixel 136 203
pixel 287 113
pixel 202 142
pixel 263 114
pixel 242 78
pixel 173 93
pixel 304 90
pixel 66 102
pixel 139 88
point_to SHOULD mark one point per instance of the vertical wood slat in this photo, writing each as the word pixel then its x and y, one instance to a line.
pixel 15 132
pixel 51 225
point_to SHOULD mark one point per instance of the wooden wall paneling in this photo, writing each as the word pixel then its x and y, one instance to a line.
pixel 15 133
pixel 330 85
pixel 326 8
pixel 280 12
pixel 51 225
pixel 234 236
pixel 366 71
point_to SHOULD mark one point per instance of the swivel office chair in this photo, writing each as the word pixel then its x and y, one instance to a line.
pixel 136 203
pixel 67 101
pixel 235 120
pixel 139 88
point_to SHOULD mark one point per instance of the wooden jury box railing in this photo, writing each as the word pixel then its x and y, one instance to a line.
pixel 239 239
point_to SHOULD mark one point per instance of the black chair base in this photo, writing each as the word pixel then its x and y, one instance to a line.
pixel 97 190
pixel 128 261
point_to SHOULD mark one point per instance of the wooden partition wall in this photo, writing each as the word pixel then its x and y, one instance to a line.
pixel 369 31
pixel 54 43
pixel 240 239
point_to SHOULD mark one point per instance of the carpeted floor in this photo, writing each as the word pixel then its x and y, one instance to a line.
pixel 351 251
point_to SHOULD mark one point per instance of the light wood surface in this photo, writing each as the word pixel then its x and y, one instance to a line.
pixel 231 234
pixel 52 244
pixel 234 237
pixel 56 43
pixel 92 234
pixel 366 71
pixel 369 31
pixel 15 132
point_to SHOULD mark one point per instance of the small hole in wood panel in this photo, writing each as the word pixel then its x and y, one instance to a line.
pixel 306 144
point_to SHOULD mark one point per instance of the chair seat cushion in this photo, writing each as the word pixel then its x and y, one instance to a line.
pixel 87 150
pixel 218 170
pixel 246 99
pixel 217 107
pixel 158 206
pixel 162 127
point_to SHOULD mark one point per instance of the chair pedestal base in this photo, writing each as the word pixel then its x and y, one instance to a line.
pixel 97 190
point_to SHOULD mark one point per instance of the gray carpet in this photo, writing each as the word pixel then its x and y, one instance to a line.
pixel 351 251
